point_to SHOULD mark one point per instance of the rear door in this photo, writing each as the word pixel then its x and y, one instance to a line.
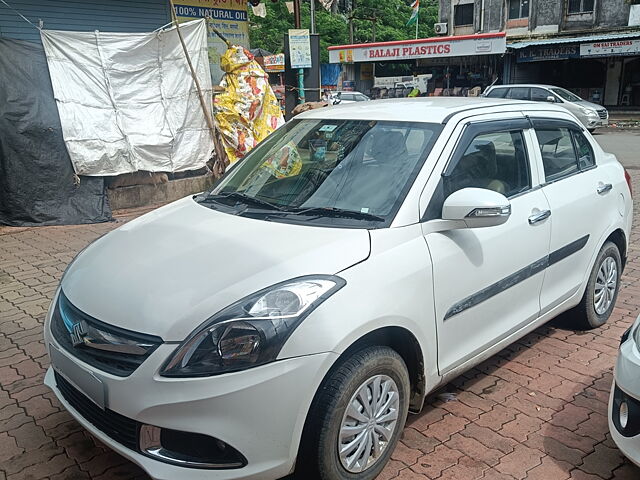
pixel 582 202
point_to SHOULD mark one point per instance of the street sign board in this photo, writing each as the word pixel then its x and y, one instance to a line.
pixel 299 48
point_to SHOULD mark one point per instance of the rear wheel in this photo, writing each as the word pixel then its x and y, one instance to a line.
pixel 357 417
pixel 602 289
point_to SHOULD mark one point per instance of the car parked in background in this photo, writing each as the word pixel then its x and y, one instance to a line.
pixel 354 261
pixel 590 114
pixel 624 402
pixel 344 97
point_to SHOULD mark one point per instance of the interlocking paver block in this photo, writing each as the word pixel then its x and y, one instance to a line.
pixel 536 410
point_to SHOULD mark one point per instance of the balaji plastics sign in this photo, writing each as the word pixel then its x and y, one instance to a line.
pixel 481 44
pixel 228 16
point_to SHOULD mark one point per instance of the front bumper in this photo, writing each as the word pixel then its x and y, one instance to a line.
pixel 260 411
pixel 626 386
pixel 595 122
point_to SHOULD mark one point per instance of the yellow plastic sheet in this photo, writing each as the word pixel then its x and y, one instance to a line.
pixel 248 110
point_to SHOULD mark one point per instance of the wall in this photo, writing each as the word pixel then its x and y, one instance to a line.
pixel 83 15
pixel 545 16
pixel 614 13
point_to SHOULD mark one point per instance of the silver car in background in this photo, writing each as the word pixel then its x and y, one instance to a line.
pixel 590 114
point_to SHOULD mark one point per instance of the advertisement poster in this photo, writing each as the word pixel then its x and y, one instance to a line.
pixel 274 63
pixel 299 48
pixel 228 16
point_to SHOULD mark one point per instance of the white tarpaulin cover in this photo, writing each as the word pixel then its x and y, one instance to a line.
pixel 127 101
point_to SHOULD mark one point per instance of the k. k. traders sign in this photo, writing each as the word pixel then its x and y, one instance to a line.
pixel 547 52
pixel 481 44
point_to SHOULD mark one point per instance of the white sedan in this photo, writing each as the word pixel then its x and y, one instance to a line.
pixel 356 260
pixel 624 402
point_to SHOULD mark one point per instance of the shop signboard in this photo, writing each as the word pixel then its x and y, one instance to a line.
pixel 299 48
pixel 366 71
pixel 480 44
pixel 228 16
pixel 547 52
pixel 610 48
pixel 274 63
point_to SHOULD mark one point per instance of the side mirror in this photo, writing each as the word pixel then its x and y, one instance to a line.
pixel 476 207
pixel 551 99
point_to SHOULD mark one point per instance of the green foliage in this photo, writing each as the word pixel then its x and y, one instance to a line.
pixel 392 16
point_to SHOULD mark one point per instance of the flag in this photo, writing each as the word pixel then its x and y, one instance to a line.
pixel 260 10
pixel 414 14
pixel 327 4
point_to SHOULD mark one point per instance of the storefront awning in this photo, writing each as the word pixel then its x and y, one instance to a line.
pixel 433 47
pixel 585 38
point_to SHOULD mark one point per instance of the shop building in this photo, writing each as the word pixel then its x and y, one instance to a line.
pixel 457 64
pixel 591 47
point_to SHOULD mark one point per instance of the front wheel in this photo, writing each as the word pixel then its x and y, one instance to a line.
pixel 357 417
pixel 602 289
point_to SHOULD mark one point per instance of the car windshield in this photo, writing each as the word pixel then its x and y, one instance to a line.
pixel 566 95
pixel 348 173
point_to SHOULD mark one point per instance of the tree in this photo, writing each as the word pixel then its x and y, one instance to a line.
pixel 391 15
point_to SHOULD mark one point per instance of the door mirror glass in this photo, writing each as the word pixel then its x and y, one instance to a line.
pixel 476 207
pixel 551 99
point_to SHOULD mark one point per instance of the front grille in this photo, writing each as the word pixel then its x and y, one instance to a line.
pixel 118 427
pixel 116 363
pixel 603 114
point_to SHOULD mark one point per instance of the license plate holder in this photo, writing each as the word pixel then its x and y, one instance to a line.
pixel 85 381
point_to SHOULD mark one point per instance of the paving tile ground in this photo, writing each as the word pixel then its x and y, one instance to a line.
pixel 536 411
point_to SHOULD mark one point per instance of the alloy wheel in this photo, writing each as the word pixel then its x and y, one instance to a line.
pixel 369 423
pixel 605 286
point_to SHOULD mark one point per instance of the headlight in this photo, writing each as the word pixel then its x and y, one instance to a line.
pixel 252 331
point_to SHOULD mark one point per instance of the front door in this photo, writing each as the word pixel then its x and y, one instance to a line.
pixel 487 281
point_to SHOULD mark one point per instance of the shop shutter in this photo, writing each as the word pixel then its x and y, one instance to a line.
pixel 85 15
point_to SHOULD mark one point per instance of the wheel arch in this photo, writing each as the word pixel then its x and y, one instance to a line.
pixel 619 238
pixel 401 340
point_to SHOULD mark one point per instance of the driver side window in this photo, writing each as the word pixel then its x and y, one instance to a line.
pixel 495 161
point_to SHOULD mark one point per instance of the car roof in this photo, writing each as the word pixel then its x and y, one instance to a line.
pixel 423 109
pixel 542 85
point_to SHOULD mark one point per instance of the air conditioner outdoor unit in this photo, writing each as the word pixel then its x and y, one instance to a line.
pixel 440 28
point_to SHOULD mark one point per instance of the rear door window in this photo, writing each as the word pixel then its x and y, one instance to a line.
pixel 519 93
pixel 586 157
pixel 558 154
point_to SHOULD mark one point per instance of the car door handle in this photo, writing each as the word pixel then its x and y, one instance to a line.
pixel 604 188
pixel 540 216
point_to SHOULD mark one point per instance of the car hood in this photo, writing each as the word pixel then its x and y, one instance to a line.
pixel 585 104
pixel 168 271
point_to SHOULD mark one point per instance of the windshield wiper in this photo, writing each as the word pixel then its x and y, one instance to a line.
pixel 246 199
pixel 336 213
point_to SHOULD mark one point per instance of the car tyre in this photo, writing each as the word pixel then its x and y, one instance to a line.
pixel 600 296
pixel 374 374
